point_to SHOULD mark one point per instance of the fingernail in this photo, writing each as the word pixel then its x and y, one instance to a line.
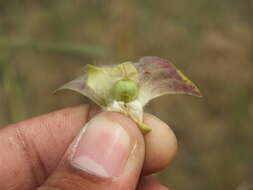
pixel 103 149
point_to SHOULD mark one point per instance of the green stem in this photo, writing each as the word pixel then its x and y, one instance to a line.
pixel 144 128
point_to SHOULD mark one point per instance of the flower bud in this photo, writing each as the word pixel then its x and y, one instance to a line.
pixel 125 90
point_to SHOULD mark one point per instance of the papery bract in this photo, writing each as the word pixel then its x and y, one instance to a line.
pixel 159 77
pixel 153 77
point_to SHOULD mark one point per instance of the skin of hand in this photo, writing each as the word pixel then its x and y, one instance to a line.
pixel 83 148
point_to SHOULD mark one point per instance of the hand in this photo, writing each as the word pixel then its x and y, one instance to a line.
pixel 49 153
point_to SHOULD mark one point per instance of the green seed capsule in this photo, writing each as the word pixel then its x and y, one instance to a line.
pixel 125 90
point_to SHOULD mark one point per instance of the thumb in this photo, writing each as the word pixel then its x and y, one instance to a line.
pixel 107 154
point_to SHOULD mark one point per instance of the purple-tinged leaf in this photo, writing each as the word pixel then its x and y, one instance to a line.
pixel 79 85
pixel 159 77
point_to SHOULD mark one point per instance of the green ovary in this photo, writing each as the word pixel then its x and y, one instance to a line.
pixel 125 90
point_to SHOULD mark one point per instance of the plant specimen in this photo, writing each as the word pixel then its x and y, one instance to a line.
pixel 129 86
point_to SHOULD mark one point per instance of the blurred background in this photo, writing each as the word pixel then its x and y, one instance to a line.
pixel 44 44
